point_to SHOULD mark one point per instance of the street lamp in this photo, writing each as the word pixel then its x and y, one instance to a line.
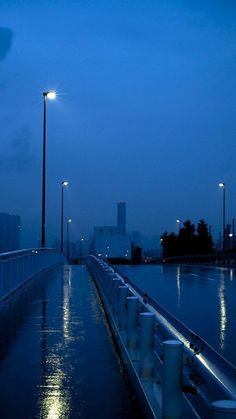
pixel 67 247
pixel 63 185
pixel 81 248
pixel 222 186
pixel 179 224
pixel 49 95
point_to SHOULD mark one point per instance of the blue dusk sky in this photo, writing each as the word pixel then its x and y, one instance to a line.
pixel 145 112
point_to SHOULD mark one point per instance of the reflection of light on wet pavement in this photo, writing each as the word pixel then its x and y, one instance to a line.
pixel 66 303
pixel 54 400
pixel 178 285
pixel 55 393
pixel 223 311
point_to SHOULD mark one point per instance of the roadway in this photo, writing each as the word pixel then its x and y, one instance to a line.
pixel 202 297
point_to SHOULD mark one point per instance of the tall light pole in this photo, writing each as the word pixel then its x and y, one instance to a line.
pixel 63 185
pixel 67 250
pixel 178 222
pixel 81 248
pixel 222 186
pixel 49 95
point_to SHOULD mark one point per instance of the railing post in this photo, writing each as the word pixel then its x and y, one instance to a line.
pixel 224 409
pixel 172 379
pixel 122 312
pixel 146 366
pixel 132 322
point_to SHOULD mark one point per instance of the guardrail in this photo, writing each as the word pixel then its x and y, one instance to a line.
pixel 18 267
pixel 174 372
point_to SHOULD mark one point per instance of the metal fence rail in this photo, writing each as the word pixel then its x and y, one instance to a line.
pixel 17 268
pixel 180 374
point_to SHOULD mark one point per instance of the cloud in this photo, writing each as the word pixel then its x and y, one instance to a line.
pixel 6 36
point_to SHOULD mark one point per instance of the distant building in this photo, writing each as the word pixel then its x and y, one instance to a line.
pixel 9 232
pixel 112 241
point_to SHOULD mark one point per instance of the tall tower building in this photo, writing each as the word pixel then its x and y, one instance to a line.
pixel 121 217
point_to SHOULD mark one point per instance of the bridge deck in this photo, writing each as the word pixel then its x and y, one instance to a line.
pixel 57 359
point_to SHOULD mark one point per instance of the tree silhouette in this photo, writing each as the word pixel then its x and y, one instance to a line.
pixel 204 239
pixel 169 244
pixel 187 239
pixel 190 241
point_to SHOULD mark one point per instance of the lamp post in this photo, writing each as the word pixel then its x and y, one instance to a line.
pixel 81 248
pixel 49 95
pixel 178 224
pixel 222 186
pixel 67 241
pixel 63 185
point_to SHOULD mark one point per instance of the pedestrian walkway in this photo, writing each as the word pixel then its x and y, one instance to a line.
pixel 57 358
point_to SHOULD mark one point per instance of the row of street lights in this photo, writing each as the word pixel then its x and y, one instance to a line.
pixel 51 95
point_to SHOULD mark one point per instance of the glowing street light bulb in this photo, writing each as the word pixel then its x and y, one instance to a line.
pixel 221 184
pixel 65 183
pixel 69 220
pixel 51 95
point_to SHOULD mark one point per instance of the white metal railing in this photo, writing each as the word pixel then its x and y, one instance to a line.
pixel 180 374
pixel 18 267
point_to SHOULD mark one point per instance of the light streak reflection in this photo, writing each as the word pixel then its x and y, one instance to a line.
pixel 178 285
pixel 223 311
pixel 55 400
pixel 66 304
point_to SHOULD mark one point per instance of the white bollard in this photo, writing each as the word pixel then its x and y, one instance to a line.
pixel 132 322
pixel 172 379
pixel 224 409
pixel 122 312
pixel 146 366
